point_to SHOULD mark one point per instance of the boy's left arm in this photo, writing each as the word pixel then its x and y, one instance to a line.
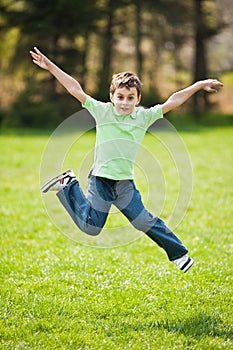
pixel 179 97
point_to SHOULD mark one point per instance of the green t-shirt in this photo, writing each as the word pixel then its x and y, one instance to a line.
pixel 118 137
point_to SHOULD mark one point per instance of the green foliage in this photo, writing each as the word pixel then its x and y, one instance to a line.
pixel 184 121
pixel 91 40
pixel 58 294
pixel 35 111
pixel 30 113
pixel 150 98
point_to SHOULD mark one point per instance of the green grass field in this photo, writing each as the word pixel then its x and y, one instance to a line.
pixel 61 294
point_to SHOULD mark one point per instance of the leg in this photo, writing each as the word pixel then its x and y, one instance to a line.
pixel 88 212
pixel 130 203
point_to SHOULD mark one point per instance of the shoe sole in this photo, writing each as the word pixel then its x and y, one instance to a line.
pixel 187 265
pixel 45 188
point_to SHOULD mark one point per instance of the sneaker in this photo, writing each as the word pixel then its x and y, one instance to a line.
pixel 58 182
pixel 184 263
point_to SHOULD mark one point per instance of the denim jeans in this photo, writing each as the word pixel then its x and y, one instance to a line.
pixel 90 211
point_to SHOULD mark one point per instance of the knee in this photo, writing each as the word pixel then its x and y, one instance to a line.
pixel 144 221
pixel 90 230
pixel 139 224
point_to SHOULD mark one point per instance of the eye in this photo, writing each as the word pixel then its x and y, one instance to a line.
pixel 120 97
pixel 130 98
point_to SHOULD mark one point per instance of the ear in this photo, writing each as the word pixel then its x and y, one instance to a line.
pixel 139 99
pixel 111 97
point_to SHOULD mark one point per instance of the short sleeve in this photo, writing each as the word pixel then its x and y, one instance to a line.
pixel 153 113
pixel 95 107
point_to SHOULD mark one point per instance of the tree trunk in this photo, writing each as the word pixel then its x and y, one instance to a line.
pixel 200 101
pixel 138 20
pixel 107 48
pixel 84 60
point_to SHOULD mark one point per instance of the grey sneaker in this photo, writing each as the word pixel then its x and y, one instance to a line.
pixel 58 182
pixel 184 263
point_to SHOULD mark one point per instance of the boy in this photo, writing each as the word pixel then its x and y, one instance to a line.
pixel 120 128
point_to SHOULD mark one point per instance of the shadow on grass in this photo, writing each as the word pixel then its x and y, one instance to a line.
pixel 198 326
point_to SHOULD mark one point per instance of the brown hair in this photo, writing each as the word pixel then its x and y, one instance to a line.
pixel 125 79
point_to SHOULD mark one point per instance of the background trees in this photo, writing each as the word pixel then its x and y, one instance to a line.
pixel 166 42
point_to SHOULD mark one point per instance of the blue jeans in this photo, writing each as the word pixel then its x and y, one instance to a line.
pixel 90 211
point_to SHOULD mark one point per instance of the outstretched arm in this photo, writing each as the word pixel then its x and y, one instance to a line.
pixel 179 97
pixel 71 85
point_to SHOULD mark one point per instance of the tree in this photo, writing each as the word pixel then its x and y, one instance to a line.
pixel 138 36
pixel 108 35
pixel 204 29
pixel 107 50
pixel 200 100
pixel 90 39
pixel 61 31
pixel 166 26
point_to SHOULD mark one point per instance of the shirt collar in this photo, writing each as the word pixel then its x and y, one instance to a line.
pixel 132 115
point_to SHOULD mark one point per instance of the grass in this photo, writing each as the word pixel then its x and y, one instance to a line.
pixel 60 294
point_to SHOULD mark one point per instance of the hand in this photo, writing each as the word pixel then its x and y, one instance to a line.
pixel 40 59
pixel 211 85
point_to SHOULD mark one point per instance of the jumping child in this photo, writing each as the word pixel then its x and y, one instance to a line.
pixel 120 127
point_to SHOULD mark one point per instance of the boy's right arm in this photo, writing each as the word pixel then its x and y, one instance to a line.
pixel 71 85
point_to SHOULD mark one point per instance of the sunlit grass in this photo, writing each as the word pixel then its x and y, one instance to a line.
pixel 59 294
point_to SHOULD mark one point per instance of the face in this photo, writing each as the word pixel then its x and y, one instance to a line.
pixel 125 100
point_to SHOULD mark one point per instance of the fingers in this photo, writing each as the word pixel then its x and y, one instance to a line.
pixel 37 50
pixel 39 59
pixel 216 86
pixel 211 89
pixel 216 82
pixel 36 58
pixel 213 85
pixel 33 54
pixel 36 54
